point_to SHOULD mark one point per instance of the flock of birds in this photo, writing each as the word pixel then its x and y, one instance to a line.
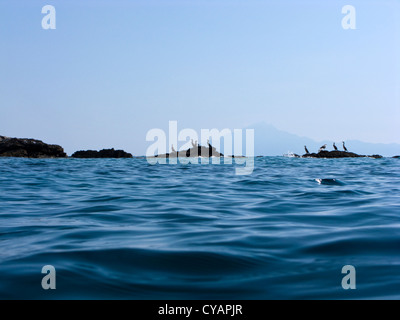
pixel 324 147
pixel 195 144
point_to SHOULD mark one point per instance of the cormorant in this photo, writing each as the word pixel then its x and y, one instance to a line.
pixel 305 148
pixel 173 149
pixel 334 147
pixel 194 144
pixel 322 148
pixel 344 147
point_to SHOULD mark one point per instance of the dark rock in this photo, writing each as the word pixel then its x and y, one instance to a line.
pixel 105 153
pixel 203 152
pixel 29 148
pixel 199 151
pixel 396 157
pixel 338 154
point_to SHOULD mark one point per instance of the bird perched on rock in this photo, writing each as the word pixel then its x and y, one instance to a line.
pixel 334 147
pixel 344 147
pixel 305 148
pixel 322 148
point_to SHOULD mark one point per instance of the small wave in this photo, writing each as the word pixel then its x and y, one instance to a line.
pixel 290 154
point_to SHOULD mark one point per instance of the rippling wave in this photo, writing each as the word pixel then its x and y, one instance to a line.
pixel 122 228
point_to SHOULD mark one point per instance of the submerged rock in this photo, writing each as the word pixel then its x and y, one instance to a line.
pixel 338 154
pixel 105 153
pixel 29 148
pixel 396 157
pixel 330 182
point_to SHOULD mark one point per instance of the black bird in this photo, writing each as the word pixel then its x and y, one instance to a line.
pixel 344 147
pixel 322 148
pixel 334 147
pixel 305 148
pixel 210 146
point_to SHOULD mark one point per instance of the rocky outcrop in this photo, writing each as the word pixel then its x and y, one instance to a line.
pixel 338 154
pixel 29 148
pixel 396 157
pixel 105 153
pixel 198 151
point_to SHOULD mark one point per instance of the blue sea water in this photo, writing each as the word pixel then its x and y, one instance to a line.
pixel 125 229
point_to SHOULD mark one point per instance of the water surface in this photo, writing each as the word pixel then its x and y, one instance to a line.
pixel 124 229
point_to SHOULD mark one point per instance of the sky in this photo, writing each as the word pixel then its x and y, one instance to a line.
pixel 113 70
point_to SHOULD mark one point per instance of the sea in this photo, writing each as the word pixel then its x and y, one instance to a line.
pixel 125 229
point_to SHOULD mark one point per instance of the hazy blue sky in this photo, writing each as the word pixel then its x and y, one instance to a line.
pixel 112 70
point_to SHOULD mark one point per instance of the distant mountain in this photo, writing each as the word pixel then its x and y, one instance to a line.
pixel 270 141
